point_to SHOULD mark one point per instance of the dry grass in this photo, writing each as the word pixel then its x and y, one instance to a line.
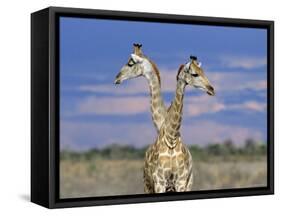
pixel 121 177
pixel 229 174
pixel 100 178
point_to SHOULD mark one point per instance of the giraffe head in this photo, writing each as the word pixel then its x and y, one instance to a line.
pixel 137 65
pixel 193 75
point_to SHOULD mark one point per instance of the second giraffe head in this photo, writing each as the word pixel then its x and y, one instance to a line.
pixel 193 75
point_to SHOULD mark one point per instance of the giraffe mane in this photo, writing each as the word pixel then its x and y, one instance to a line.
pixel 179 70
pixel 156 70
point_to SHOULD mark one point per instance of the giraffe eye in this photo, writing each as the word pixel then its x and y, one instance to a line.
pixel 194 75
pixel 131 63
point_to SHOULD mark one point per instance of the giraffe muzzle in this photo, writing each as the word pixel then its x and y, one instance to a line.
pixel 210 90
pixel 118 79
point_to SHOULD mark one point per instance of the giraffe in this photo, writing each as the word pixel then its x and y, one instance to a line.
pixel 140 65
pixel 168 162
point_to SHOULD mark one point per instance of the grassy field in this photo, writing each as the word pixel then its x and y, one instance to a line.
pixel 102 177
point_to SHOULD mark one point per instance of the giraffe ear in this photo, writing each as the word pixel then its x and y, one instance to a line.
pixel 136 58
pixel 199 64
pixel 187 65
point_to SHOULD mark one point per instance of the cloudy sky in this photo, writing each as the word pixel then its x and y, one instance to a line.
pixel 95 113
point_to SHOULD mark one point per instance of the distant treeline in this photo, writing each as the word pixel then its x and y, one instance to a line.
pixel 227 150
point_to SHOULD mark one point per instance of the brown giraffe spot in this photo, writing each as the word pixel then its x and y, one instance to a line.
pixel 156 96
pixel 164 158
pixel 178 97
pixel 156 117
pixel 174 125
pixel 166 164
pixel 178 148
pixel 155 103
pixel 180 171
pixel 162 149
pixel 155 157
pixel 174 162
pixel 159 176
pixel 167 175
pixel 154 88
pixel 181 188
pixel 176 115
pixel 183 149
pixel 180 157
pixel 160 172
pixel 181 162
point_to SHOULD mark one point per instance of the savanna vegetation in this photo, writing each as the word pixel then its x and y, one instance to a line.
pixel 117 169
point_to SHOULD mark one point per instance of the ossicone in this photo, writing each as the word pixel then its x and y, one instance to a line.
pixel 137 45
pixel 193 57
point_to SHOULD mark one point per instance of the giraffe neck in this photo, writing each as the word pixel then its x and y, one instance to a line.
pixel 174 116
pixel 157 105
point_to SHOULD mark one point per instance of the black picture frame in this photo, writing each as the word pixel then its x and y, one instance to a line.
pixel 45 107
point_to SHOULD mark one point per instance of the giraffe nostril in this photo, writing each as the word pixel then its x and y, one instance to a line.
pixel 117 81
pixel 211 90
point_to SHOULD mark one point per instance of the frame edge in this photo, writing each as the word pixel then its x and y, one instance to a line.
pixel 39 108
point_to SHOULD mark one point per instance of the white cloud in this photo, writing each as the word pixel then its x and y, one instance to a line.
pixel 245 62
pixel 204 132
pixel 78 135
pixel 128 87
pixel 123 99
pixel 249 105
pixel 195 105
pixel 99 134
pixel 134 86
pixel 222 81
pixel 198 105
pixel 131 105
pixel 256 85
pixel 237 81
pixel 113 105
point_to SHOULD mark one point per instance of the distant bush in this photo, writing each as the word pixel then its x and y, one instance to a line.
pixel 113 151
pixel 116 151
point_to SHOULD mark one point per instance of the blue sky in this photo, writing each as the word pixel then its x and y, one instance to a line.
pixel 95 113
